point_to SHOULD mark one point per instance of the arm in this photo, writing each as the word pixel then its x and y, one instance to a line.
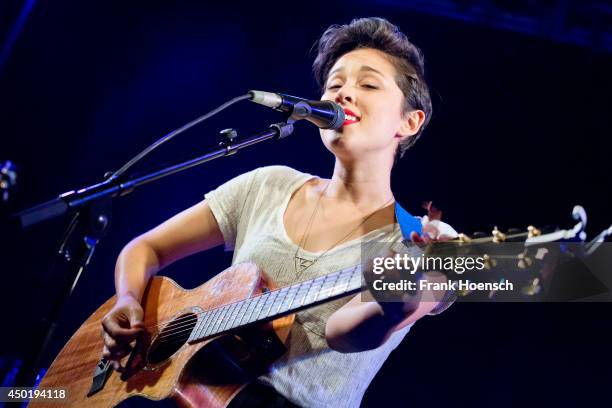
pixel 188 232
pixel 191 231
pixel 359 326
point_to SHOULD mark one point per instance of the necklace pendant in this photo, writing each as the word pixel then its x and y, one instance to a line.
pixel 302 263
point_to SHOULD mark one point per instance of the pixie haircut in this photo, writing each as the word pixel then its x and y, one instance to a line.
pixel 379 34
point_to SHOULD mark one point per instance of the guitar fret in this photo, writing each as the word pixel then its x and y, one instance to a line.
pixel 242 312
pixel 230 315
pixel 294 289
pixel 260 301
pixel 323 291
pixel 304 286
pixel 276 302
pixel 338 289
pixel 287 299
pixel 206 319
pixel 249 310
pixel 348 282
pixel 202 325
pixel 280 298
pixel 238 313
pixel 356 278
pixel 222 313
pixel 235 314
pixel 267 306
pixel 314 288
pixel 212 321
pixel 329 290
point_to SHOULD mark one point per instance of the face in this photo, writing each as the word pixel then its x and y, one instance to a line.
pixel 363 83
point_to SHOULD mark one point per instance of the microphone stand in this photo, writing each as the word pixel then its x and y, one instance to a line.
pixel 92 215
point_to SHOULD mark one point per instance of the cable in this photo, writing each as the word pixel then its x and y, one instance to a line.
pixel 171 135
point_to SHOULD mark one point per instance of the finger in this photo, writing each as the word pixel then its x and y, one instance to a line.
pixel 445 237
pixel 117 366
pixel 116 350
pixel 109 342
pixel 136 321
pixel 106 353
pixel 431 231
pixel 116 355
pixel 111 327
pixel 119 354
pixel 420 239
pixel 415 237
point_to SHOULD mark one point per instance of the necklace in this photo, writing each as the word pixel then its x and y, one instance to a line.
pixel 301 263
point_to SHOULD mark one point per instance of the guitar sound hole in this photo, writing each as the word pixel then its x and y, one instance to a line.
pixel 171 338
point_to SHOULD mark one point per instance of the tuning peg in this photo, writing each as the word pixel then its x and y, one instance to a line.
pixel 488 262
pixel 533 232
pixel 524 261
pixel 533 288
pixel 498 236
pixel 579 214
pixel 493 292
pixel 464 292
pixel 463 238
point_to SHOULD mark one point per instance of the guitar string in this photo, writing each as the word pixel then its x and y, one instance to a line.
pixel 187 317
pixel 346 274
pixel 475 240
pixel 188 328
pixel 306 295
pixel 178 327
pixel 181 337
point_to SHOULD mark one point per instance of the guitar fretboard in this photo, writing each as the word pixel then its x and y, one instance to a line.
pixel 277 303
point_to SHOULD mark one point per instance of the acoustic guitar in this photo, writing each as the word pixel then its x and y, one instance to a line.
pixel 202 346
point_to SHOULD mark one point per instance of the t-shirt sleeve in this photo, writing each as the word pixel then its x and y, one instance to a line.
pixel 227 203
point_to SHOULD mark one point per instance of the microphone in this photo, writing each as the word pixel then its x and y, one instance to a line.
pixel 324 114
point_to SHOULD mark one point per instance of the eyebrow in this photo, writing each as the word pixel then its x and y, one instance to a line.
pixel 363 68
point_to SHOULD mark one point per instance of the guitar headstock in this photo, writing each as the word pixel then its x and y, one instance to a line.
pixel 528 258
pixel 531 264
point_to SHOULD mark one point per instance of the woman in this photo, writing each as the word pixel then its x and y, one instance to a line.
pixel 296 226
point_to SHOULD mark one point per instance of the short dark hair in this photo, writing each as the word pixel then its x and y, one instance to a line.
pixel 379 34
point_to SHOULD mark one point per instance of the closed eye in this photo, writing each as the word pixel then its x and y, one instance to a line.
pixel 369 86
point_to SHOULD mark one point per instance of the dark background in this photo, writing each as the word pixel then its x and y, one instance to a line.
pixel 520 133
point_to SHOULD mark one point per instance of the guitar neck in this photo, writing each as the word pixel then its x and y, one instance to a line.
pixel 277 303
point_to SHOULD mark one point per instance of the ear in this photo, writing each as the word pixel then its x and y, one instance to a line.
pixel 412 122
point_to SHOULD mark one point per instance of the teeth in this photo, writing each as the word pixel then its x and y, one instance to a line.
pixel 350 117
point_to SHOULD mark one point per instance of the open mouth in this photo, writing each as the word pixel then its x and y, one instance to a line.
pixel 350 117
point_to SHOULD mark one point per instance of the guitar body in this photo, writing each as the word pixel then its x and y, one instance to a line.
pixel 208 373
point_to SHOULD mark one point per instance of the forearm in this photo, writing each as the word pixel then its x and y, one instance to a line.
pixel 136 264
pixel 364 325
pixel 358 327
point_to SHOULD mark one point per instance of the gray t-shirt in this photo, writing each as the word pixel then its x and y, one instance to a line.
pixel 249 210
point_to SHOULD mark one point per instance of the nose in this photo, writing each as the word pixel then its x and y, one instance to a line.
pixel 344 95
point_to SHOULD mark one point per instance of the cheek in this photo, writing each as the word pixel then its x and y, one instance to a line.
pixel 384 119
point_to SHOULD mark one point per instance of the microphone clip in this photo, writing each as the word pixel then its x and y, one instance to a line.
pixel 227 140
pixel 284 129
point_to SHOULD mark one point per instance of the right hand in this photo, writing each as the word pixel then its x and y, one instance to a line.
pixel 120 327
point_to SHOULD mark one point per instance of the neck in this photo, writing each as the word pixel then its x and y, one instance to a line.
pixel 363 183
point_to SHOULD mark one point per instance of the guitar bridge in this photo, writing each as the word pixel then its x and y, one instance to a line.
pixel 101 373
